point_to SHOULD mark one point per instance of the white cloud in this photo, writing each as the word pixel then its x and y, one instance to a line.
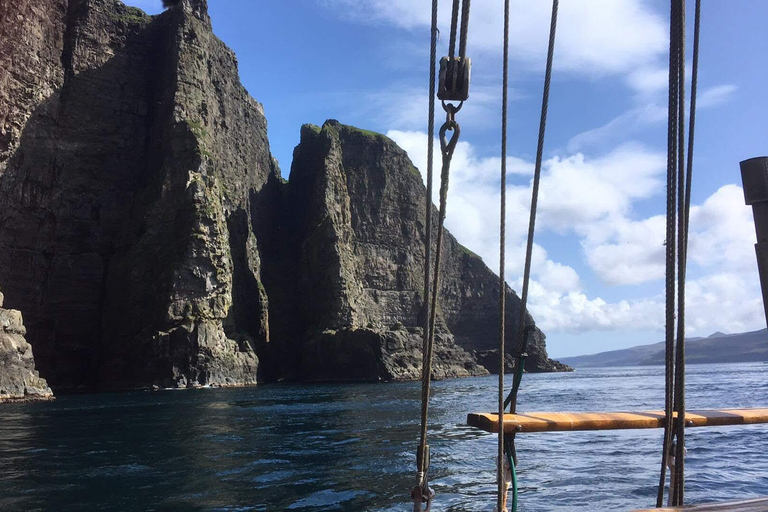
pixel 653 111
pixel 574 312
pixel 576 192
pixel 593 198
pixel 724 301
pixel 649 80
pixel 625 252
pixel 619 128
pixel 594 36
pixel 716 95
pixel 403 107
pixel 723 232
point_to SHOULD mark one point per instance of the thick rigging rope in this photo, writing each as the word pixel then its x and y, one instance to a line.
pixel 427 347
pixel 500 477
pixel 677 495
pixel 685 207
pixel 422 494
pixel 454 28
pixel 677 162
pixel 670 248
pixel 507 444
pixel 430 165
pixel 464 29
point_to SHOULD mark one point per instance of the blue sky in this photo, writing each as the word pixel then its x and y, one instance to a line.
pixel 598 265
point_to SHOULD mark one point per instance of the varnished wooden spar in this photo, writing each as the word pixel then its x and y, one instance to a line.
pixel 569 421
pixel 737 506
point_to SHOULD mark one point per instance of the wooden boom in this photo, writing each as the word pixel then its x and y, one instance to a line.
pixel 755 505
pixel 569 421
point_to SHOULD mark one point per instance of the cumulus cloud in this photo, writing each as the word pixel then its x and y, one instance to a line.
pixel 594 36
pixel 593 199
pixel 576 192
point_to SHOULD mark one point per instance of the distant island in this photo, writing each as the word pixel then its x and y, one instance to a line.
pixel 745 347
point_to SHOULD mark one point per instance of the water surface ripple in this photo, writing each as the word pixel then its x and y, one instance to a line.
pixel 350 447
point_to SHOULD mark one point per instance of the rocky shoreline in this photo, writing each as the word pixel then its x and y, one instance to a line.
pixel 19 381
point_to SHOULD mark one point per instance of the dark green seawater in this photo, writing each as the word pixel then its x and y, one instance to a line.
pixel 351 447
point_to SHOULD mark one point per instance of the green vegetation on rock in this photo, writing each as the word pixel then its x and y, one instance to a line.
pixel 468 252
pixel 133 15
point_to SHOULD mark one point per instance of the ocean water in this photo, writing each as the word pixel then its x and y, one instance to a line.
pixel 350 447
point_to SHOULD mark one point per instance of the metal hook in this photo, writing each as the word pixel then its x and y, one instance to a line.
pixel 447 146
pixel 422 497
pixel 452 109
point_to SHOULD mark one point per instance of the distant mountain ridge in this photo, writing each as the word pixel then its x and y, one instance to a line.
pixel 718 347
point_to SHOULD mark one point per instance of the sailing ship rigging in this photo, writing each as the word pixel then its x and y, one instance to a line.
pixel 453 89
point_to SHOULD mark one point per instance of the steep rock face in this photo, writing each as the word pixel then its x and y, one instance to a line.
pixel 130 167
pixel 470 303
pixel 356 205
pixel 18 378
pixel 149 239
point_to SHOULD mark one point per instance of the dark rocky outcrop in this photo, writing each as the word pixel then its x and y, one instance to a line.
pixel 130 160
pixel 18 379
pixel 150 241
pixel 355 206
pixel 490 360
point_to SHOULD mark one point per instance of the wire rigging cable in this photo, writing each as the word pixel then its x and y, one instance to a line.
pixel 524 331
pixel 422 493
pixel 453 86
pixel 679 179
pixel 501 502
pixel 670 247
pixel 679 391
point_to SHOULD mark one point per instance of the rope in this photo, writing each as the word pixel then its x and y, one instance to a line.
pixel 677 495
pixel 677 161
pixel 422 493
pixel 501 498
pixel 521 337
pixel 430 161
pixel 447 152
pixel 454 26
pixel 464 29
pixel 508 444
pixel 670 248
pixel 427 346
pixel 685 207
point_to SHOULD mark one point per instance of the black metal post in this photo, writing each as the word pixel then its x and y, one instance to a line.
pixel 754 176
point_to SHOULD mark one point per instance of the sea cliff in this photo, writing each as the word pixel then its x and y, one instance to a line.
pixel 148 237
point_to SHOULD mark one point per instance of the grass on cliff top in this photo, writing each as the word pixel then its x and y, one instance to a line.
pixel 133 15
pixel 467 251
pixel 334 126
pixel 367 133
